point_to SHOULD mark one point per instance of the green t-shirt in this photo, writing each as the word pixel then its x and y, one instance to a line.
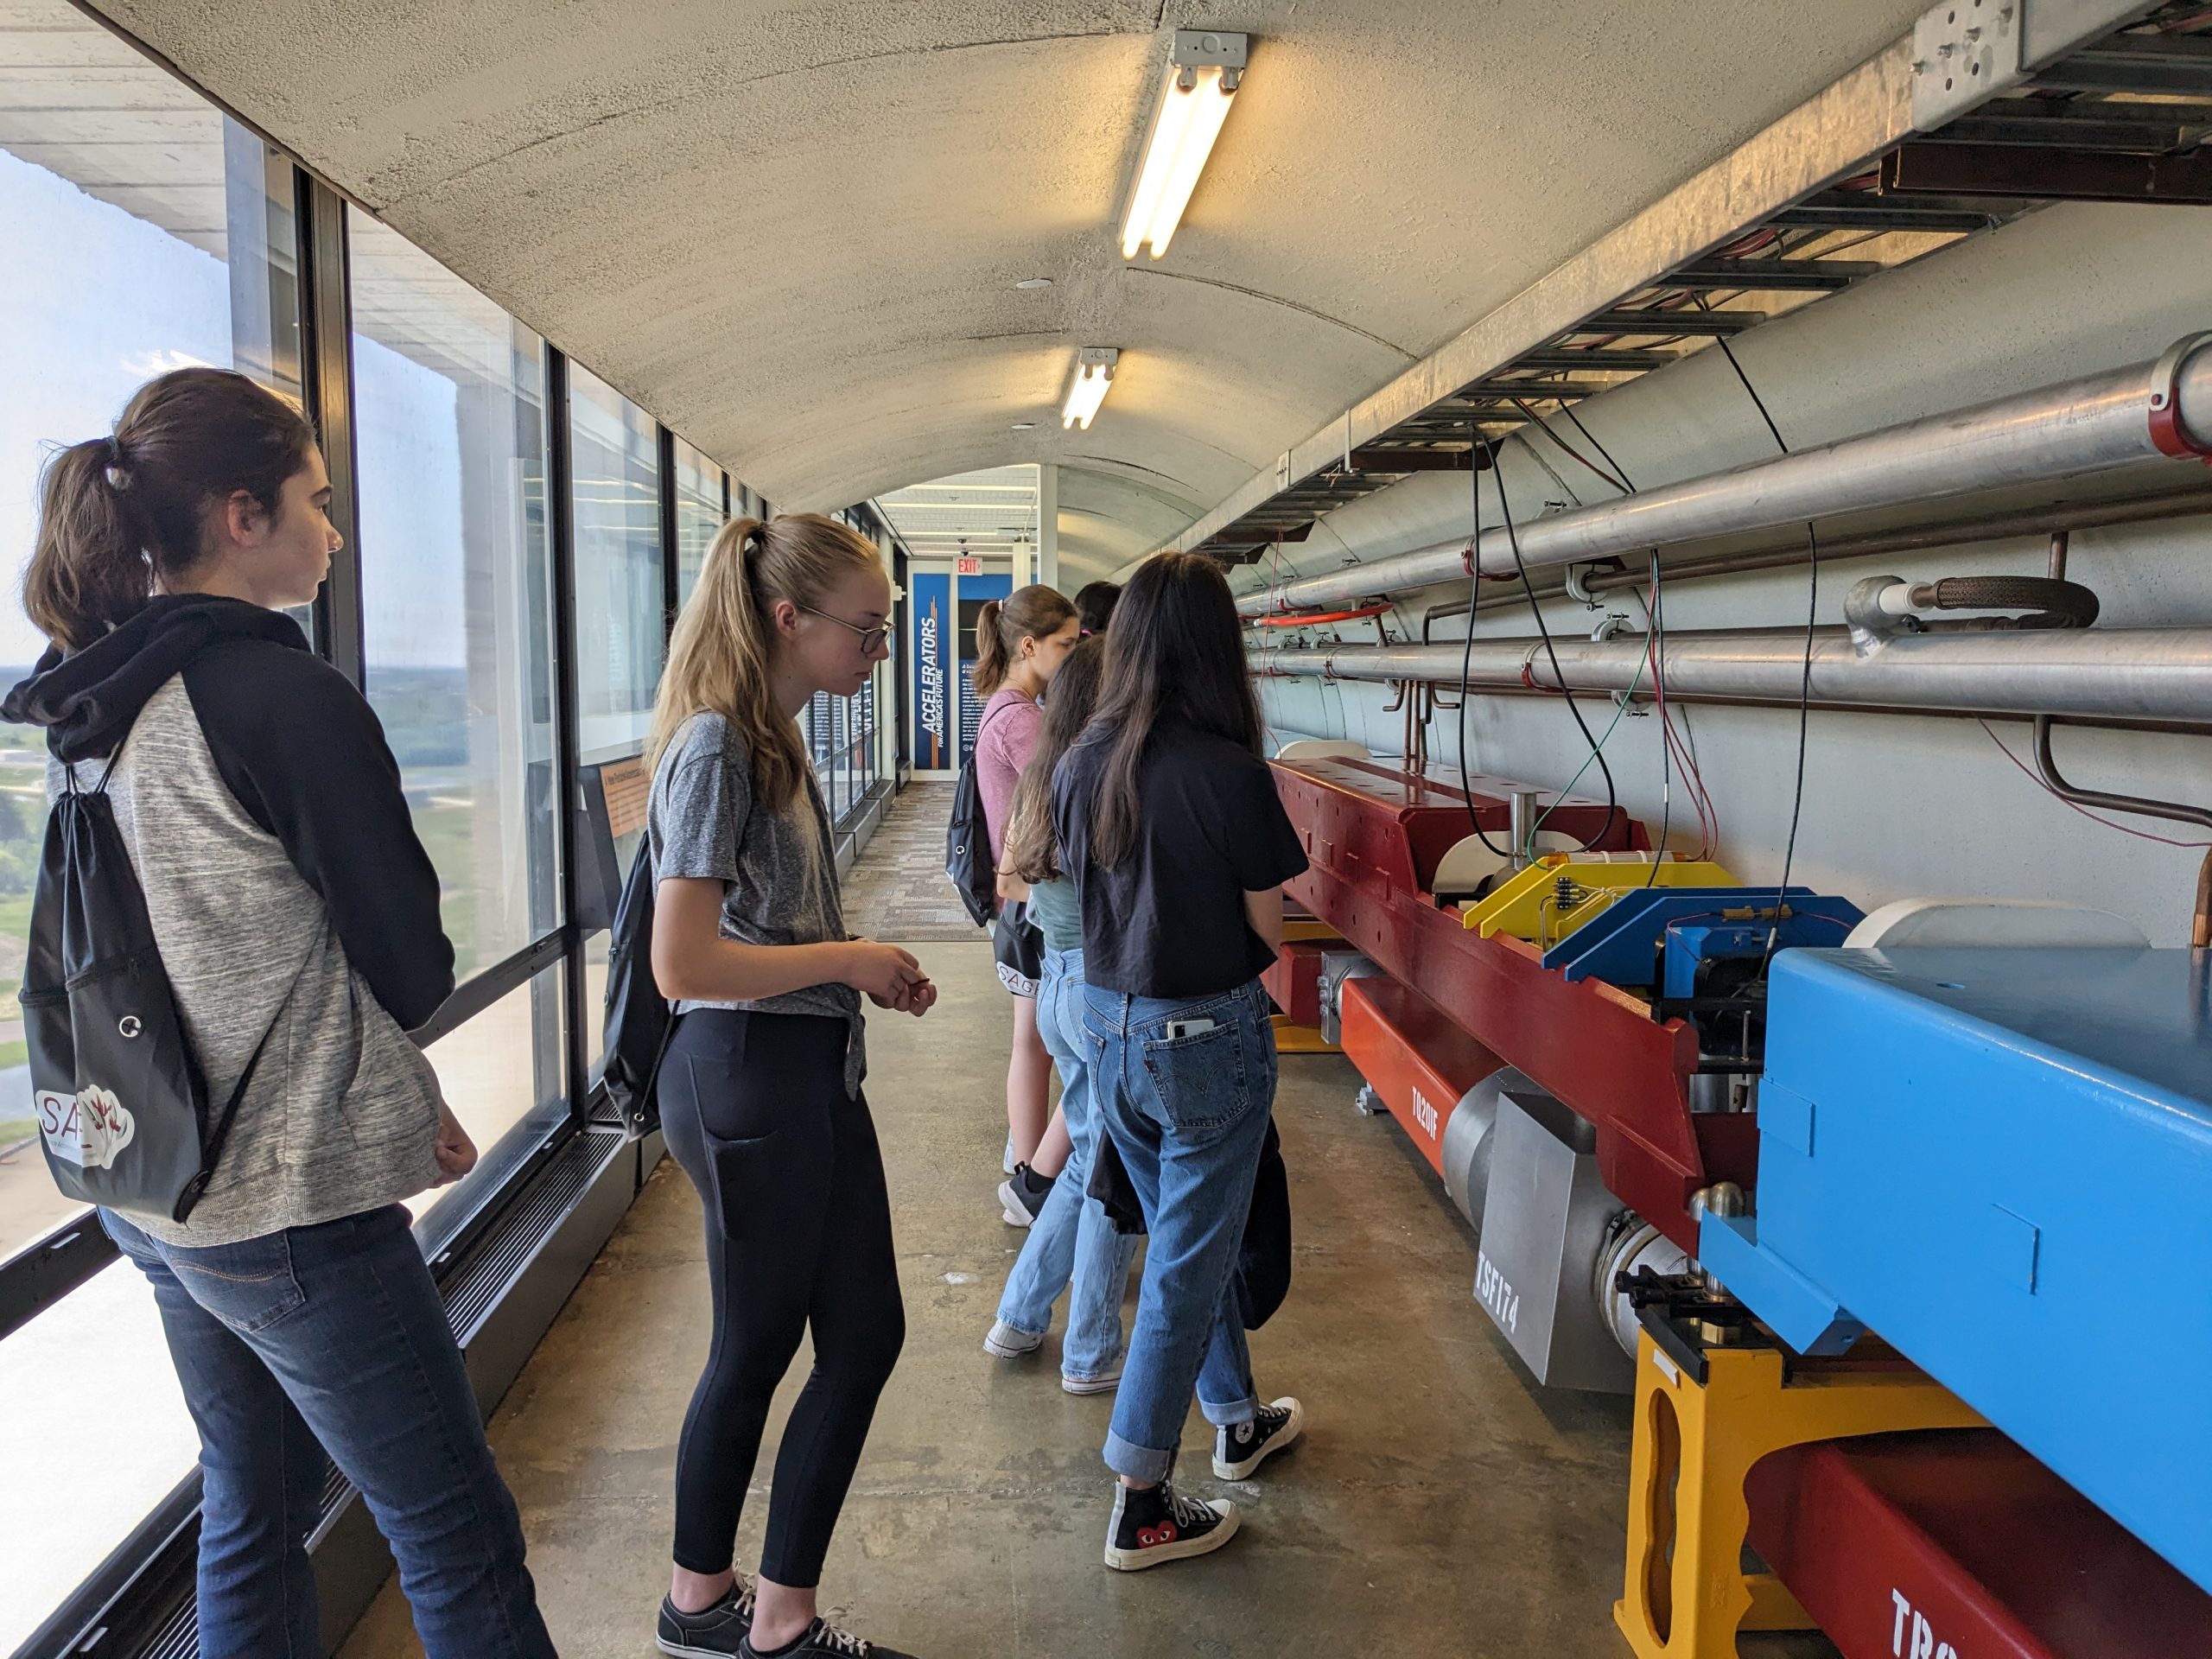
pixel 1052 906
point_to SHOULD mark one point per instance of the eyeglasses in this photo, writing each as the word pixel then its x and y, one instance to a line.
pixel 872 640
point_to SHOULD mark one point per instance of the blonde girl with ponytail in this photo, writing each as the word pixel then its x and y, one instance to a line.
pixel 1021 642
pixel 761 1086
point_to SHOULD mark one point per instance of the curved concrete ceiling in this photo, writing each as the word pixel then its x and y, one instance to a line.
pixel 793 230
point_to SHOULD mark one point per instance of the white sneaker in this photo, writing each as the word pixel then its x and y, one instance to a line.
pixel 1007 1163
pixel 1105 1382
pixel 1004 1342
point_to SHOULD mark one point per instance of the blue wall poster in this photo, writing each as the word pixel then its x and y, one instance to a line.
pixel 933 624
pixel 972 591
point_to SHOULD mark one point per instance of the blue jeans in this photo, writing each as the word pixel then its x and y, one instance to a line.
pixel 334 1336
pixel 1188 1115
pixel 1072 1240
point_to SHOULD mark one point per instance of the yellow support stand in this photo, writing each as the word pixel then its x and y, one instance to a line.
pixel 1687 1594
pixel 1530 906
pixel 1300 1039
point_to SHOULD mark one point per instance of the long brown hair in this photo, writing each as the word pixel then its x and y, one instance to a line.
pixel 1030 848
pixel 722 653
pixel 117 513
pixel 1176 651
pixel 1002 624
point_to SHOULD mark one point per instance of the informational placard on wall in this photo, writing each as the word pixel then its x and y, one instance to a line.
pixel 933 670
pixel 946 709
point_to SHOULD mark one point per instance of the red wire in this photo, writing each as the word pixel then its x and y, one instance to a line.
pixel 2141 835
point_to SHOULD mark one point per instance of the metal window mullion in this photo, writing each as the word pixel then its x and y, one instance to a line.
pixel 671 573
pixel 326 365
pixel 560 503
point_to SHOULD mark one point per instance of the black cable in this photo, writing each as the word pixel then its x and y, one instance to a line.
pixel 1467 649
pixel 1805 683
pixel 1559 675
pixel 1568 409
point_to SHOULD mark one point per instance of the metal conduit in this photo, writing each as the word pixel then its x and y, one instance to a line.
pixel 2156 674
pixel 2090 425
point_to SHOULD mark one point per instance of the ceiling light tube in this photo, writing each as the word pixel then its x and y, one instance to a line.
pixel 1094 372
pixel 1205 70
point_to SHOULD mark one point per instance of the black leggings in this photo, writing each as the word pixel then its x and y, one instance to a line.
pixel 798 1233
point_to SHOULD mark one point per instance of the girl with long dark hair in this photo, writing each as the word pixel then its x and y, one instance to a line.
pixel 760 1084
pixel 1170 826
pixel 297 917
pixel 1072 1243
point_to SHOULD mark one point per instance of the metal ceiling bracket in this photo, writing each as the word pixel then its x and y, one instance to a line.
pixel 1966 52
pixel 1194 48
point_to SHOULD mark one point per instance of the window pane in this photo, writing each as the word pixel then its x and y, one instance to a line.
pixel 144 232
pixel 92 1369
pixel 619 598
pixel 698 514
pixel 501 1074
pixel 456 583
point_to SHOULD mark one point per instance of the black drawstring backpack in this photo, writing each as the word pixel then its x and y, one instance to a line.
pixel 638 1022
pixel 967 845
pixel 122 1108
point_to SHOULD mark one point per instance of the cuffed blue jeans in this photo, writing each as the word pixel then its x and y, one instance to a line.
pixel 1188 1114
pixel 1072 1242
pixel 334 1337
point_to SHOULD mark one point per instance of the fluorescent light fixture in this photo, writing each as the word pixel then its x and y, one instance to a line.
pixel 1094 372
pixel 1204 71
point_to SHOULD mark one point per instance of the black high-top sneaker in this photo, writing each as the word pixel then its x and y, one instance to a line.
pixel 825 1641
pixel 1158 1524
pixel 1022 1195
pixel 1240 1450
pixel 715 1632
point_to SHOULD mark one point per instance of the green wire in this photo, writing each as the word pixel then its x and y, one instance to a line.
pixel 1528 849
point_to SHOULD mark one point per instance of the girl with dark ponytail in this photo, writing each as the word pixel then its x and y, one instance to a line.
pixel 1020 643
pixel 297 917
pixel 1169 822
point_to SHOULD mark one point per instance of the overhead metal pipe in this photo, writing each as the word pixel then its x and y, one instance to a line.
pixel 2155 674
pixel 2091 425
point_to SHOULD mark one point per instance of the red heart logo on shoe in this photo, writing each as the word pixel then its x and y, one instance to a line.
pixel 1163 1534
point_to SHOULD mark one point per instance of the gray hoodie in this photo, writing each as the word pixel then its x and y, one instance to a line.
pixel 287 891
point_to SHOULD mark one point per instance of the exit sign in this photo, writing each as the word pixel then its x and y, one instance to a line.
pixel 970 567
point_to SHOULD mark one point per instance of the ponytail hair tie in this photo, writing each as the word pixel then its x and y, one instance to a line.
pixel 112 467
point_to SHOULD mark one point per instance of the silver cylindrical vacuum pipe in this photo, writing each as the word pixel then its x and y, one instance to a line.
pixel 2162 674
pixel 2090 425
pixel 1522 823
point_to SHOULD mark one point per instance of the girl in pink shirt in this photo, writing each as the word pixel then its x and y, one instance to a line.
pixel 1019 644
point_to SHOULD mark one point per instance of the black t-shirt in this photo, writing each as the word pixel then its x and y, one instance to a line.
pixel 1169 919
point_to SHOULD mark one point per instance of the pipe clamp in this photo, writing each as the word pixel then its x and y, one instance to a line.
pixel 2167 432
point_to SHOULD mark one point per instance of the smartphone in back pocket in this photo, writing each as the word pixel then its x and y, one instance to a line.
pixel 1180 1028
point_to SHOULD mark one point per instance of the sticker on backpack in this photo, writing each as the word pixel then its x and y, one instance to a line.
pixel 90 1128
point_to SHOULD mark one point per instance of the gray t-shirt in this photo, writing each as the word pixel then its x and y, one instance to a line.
pixel 778 869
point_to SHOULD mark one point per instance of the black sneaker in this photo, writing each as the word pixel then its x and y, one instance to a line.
pixel 825 1641
pixel 715 1632
pixel 1238 1450
pixel 1158 1524
pixel 1022 1195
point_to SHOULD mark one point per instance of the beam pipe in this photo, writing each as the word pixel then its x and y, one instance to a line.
pixel 2159 674
pixel 2091 425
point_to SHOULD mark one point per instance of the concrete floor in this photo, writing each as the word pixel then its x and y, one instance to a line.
pixel 1440 1504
